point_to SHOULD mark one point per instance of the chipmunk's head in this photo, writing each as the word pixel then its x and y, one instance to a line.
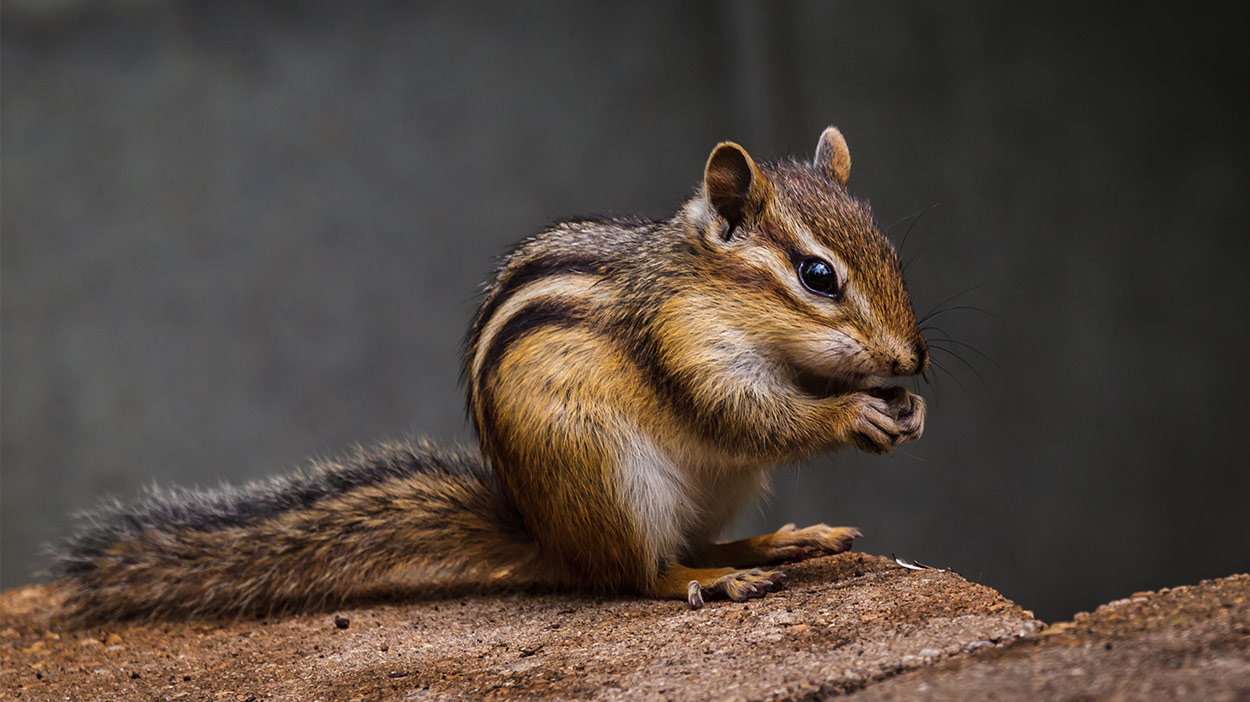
pixel 823 287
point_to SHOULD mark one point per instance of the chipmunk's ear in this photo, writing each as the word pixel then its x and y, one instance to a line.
pixel 736 188
pixel 832 157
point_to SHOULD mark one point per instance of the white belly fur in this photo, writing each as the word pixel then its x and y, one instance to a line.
pixel 679 505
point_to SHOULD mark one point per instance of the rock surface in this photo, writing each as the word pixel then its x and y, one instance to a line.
pixel 1182 643
pixel 845 624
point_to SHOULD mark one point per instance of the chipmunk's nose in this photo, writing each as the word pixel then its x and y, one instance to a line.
pixel 915 362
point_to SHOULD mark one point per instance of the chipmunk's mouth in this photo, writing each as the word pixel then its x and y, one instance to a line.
pixel 821 385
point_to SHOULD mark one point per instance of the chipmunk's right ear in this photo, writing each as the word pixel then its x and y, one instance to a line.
pixel 736 188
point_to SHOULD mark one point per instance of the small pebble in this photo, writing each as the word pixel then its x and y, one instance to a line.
pixel 341 621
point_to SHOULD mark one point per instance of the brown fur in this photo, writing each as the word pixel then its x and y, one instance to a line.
pixel 433 527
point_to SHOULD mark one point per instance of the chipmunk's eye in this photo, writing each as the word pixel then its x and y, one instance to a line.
pixel 818 276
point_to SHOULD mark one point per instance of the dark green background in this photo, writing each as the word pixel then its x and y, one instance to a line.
pixel 239 234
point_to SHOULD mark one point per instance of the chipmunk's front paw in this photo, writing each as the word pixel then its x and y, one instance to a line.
pixel 739 586
pixel 886 417
pixel 791 544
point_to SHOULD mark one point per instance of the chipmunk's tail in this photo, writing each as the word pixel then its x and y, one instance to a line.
pixel 399 516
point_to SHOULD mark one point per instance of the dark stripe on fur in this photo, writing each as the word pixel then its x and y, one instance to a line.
pixel 642 346
pixel 639 339
pixel 713 421
pixel 530 318
pixel 751 280
pixel 517 278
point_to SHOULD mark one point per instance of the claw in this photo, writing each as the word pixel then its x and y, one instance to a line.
pixel 694 594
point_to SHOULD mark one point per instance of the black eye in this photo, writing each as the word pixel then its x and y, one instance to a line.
pixel 818 276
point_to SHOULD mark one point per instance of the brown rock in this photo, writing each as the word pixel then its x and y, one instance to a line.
pixel 1182 643
pixel 829 632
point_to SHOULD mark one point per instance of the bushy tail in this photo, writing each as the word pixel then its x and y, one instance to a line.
pixel 398 515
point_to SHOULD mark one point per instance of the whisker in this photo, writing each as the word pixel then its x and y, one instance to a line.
pixel 915 221
pixel 942 367
pixel 970 347
pixel 964 361
pixel 931 382
pixel 913 259
pixel 912 456
pixel 952 298
pixel 934 314
pixel 917 215
pixel 973 308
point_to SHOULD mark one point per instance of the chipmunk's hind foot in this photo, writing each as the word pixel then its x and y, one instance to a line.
pixel 697 585
pixel 739 586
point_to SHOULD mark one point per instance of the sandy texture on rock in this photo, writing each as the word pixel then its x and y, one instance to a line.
pixel 1183 643
pixel 847 624
pixel 842 623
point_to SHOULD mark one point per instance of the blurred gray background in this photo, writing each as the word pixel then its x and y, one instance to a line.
pixel 236 235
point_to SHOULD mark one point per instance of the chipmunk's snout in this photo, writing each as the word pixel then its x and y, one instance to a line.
pixel 917 361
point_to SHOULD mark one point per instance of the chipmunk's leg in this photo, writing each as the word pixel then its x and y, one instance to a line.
pixel 677 582
pixel 785 544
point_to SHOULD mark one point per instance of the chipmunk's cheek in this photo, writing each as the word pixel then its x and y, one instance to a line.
pixel 831 354
pixel 816 386
pixel 814 375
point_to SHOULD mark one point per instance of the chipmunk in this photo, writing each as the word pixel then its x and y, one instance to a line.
pixel 631 383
